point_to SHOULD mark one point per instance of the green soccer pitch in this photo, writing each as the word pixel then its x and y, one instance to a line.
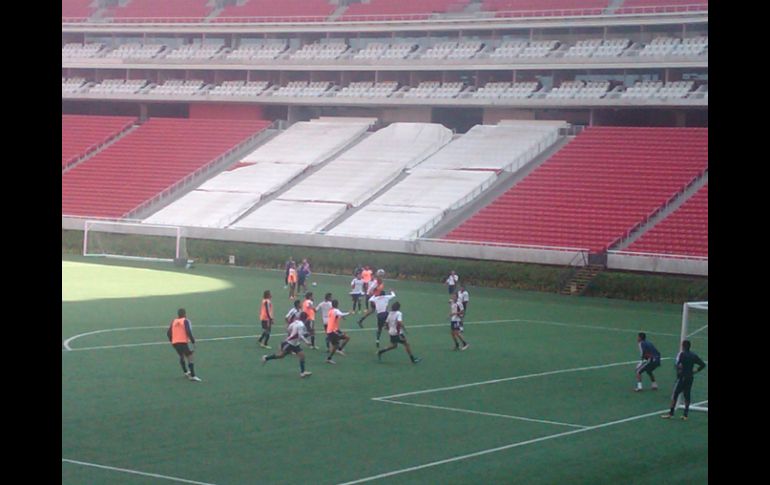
pixel 542 396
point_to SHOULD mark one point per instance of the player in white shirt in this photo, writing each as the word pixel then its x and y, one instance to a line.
pixel 323 308
pixel 357 291
pixel 451 281
pixel 456 322
pixel 380 303
pixel 293 313
pixel 291 344
pixel 464 298
pixel 395 322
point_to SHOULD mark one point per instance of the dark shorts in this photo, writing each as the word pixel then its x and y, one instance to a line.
pixel 310 326
pixel 465 307
pixel 451 289
pixel 381 320
pixel 683 386
pixel 398 339
pixel 266 324
pixel 182 349
pixel 335 337
pixel 456 326
pixel 288 348
pixel 355 298
pixel 647 366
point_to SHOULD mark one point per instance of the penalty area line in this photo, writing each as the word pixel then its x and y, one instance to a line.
pixel 502 448
pixel 135 472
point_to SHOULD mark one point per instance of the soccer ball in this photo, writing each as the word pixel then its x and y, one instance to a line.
pixel 314 283
pixel 380 272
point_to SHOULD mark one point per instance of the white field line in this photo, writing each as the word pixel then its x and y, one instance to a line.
pixel 505 447
pixel 444 408
pixel 505 379
pixel 134 472
pixel 66 344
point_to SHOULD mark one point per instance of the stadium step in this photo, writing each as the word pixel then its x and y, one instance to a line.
pixel 577 284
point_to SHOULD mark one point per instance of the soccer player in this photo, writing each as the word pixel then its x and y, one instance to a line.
pixel 293 313
pixel 650 360
pixel 333 332
pixel 380 303
pixel 308 306
pixel 456 322
pixel 266 318
pixel 685 376
pixel 180 335
pixel 395 321
pixel 291 345
pixel 356 292
pixel 464 298
pixel 292 281
pixel 323 308
pixel 375 288
pixel 289 264
pixel 302 273
pixel 366 275
pixel 451 281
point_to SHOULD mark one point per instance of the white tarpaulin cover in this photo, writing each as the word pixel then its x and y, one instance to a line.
pixel 205 209
pixel 286 215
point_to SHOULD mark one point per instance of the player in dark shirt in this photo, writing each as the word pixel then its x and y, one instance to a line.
pixel 685 376
pixel 650 360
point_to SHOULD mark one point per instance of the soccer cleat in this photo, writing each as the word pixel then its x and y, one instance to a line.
pixel 265 346
pixel 654 386
pixel 377 344
pixel 339 351
pixel 314 347
pixel 264 359
pixel 195 378
pixel 637 389
pixel 329 361
pixel 305 374
pixel 464 347
pixel 416 360
pixel 187 374
pixel 667 416
pixel 684 418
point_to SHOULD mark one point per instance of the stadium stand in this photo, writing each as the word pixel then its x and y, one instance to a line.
pixel 277 11
pixel 685 232
pixel 228 195
pixel 81 51
pixel 451 178
pixel 118 86
pixel 154 157
pixel 76 10
pixel 74 85
pixel 81 134
pixel 135 50
pixel 167 10
pixel 544 8
pixel 647 6
pixel 594 191
pixel 355 176
pixel 400 9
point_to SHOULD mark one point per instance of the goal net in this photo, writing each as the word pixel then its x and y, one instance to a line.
pixel 134 240
pixel 695 323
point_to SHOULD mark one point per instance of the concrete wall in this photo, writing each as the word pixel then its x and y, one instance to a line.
pixel 658 264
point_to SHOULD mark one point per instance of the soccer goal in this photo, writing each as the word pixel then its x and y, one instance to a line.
pixel 695 322
pixel 134 240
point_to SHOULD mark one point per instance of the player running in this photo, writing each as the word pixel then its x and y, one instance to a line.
pixel 380 303
pixel 334 334
pixel 395 322
pixel 456 322
pixel 291 345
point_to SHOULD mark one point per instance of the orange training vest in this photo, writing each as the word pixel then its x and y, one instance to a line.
pixel 265 314
pixel 333 323
pixel 178 331
pixel 309 309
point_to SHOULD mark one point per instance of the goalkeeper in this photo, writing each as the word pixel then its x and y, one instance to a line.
pixel 650 361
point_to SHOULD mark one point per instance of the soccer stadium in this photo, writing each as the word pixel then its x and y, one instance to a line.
pixel 388 241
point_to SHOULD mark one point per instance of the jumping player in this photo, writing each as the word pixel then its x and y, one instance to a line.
pixel 380 303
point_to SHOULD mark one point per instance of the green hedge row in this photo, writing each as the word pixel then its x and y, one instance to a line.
pixel 610 284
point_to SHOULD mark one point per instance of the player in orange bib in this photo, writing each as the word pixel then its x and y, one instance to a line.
pixel 180 335
pixel 333 332
pixel 266 318
pixel 292 280
pixel 309 308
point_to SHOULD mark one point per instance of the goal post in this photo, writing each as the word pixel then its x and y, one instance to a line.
pixel 695 322
pixel 134 240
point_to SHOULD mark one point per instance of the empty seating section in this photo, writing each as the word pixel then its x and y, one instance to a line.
pixel 367 89
pixel 224 198
pixel 239 88
pixel 76 10
pixel 303 89
pixel 651 6
pixel 135 50
pixel 152 158
pixel 499 89
pixel 400 9
pixel 265 51
pixel 595 190
pixel 542 8
pixel 119 86
pixel 179 87
pixel 167 10
pixel 435 89
pixel 579 90
pixel 74 85
pixel 277 11
pixel 685 232
pixel 449 179
pixel 76 50
pixel 196 51
pixel 320 51
pixel 80 134
pixel 349 179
